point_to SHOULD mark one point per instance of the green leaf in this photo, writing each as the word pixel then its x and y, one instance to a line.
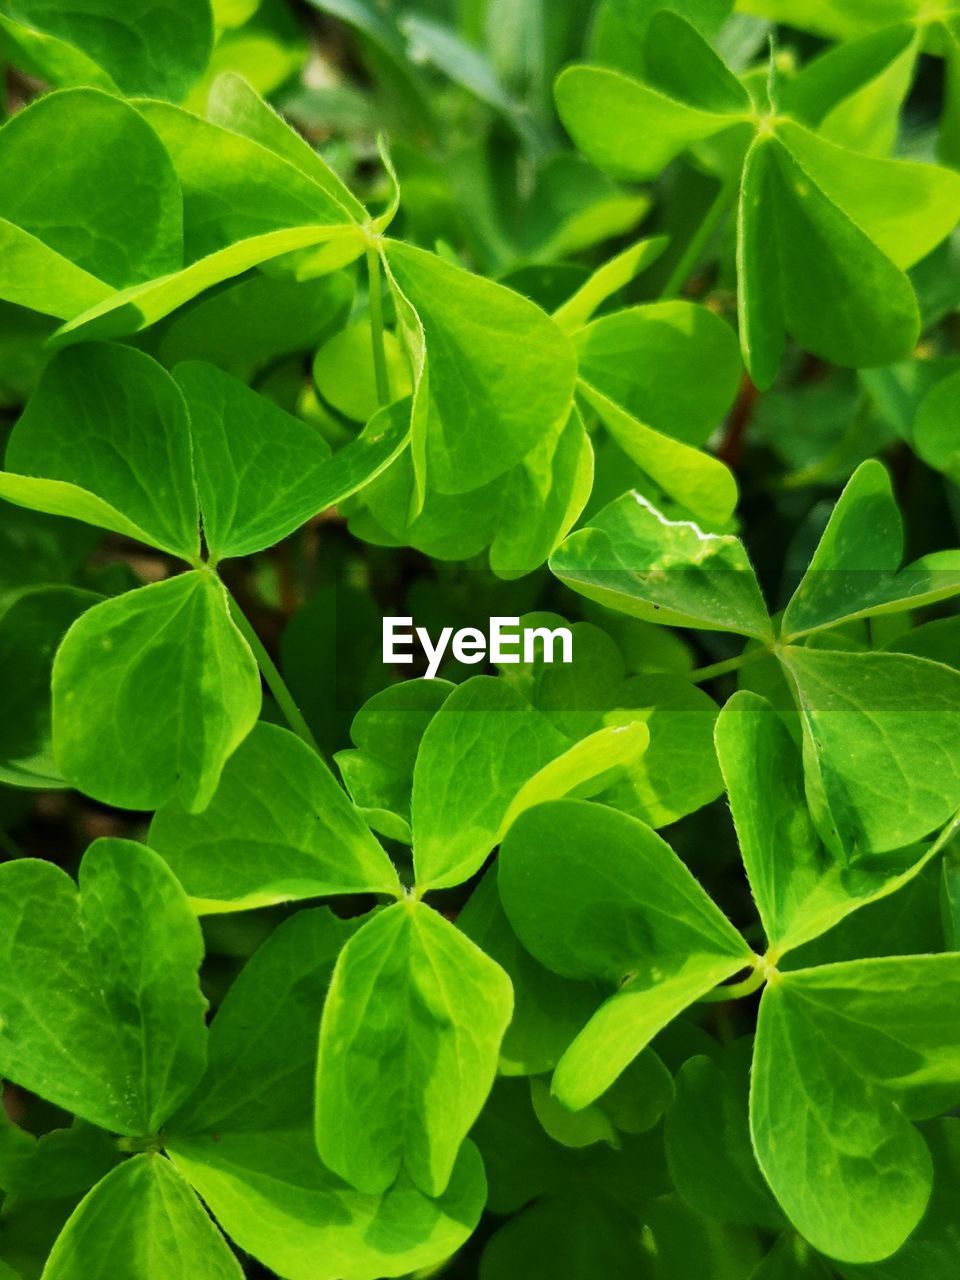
pixel 37 277
pixel 680 61
pixel 852 93
pixel 541 499
pixel 629 128
pixel 480 748
pixel 485 757
pixel 56 61
pixel 32 623
pixel 673 366
pixel 62 1164
pixel 497 375
pixel 633 1104
pixel 278 827
pixel 235 105
pixel 129 740
pixel 344 372
pixel 444 525
pixel 678 772
pixel 243 203
pixel 547 1241
pixel 113 211
pixel 386 733
pixel 574 1129
pixel 800 889
pixel 881 746
pixel 760 307
pixel 839 19
pixel 931 1249
pixel 105 439
pixel 934 428
pixel 277 1201
pixel 845 1056
pixel 548 1010
pixel 138 307
pixel 408 1049
pixel 859 550
pixel 578 769
pixel 101 1009
pixel 521 516
pixel 634 560
pixel 261 1055
pixel 595 894
pixel 697 481
pixel 855 570
pixel 904 208
pixel 151 47
pixel 807 267
pixel 244 1139
pixel 606 281
pixel 706 16
pixel 234 187
pixel 152 1214
pixel 261 473
pixel 707 1139
pixel 249 325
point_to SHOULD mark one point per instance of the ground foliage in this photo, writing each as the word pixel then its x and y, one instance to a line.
pixel 635 316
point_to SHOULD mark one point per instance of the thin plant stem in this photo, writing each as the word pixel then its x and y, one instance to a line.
pixel 380 371
pixel 698 242
pixel 702 674
pixel 764 970
pixel 274 680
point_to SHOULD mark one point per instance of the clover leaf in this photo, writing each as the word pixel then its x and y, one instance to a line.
pixel 815 257
pixel 102 1008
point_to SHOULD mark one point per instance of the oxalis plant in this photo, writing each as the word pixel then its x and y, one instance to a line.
pixel 625 321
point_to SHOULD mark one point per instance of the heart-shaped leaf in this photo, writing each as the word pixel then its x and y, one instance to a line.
pixel 245 1137
pixel 410 988
pixel 632 558
pixel 162 1218
pixel 100 1008
pixel 845 1055
pixel 496 373
pixel 485 757
pixel 801 890
pixel 117 733
pixel 595 894
pixel 855 571
pixel 261 473
pixel 881 746
pixel 277 828
pixel 106 439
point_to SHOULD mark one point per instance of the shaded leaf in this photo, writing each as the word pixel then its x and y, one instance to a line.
pixel 278 827
pixel 106 439
pixel 594 894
